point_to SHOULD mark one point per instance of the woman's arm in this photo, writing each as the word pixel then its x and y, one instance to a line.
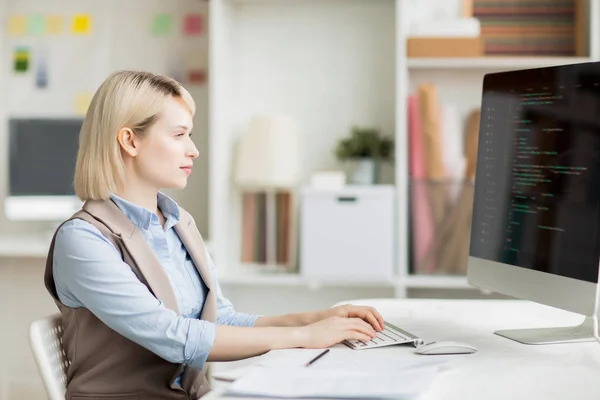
pixel 227 315
pixel 296 319
pixel 88 272
pixel 234 342
pixel 369 314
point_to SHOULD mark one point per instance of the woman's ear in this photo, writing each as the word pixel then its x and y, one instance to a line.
pixel 126 139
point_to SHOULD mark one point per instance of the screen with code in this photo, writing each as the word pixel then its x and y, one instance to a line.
pixel 537 186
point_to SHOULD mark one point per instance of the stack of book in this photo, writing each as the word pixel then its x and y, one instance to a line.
pixel 257 239
pixel 531 27
pixel 442 170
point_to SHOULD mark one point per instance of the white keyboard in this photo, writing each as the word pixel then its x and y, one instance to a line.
pixel 389 336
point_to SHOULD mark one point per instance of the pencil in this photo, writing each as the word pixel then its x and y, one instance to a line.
pixel 316 358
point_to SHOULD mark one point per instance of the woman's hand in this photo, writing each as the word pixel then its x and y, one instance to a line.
pixel 368 314
pixel 332 330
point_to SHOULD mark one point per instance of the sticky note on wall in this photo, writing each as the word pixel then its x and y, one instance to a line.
pixel 197 65
pixel 17 25
pixel 193 24
pixel 162 24
pixel 41 68
pixel 36 25
pixel 82 24
pixel 82 102
pixel 21 59
pixel 197 76
pixel 54 24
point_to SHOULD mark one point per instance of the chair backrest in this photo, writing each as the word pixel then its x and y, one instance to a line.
pixel 45 339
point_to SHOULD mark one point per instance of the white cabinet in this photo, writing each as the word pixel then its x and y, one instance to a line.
pixel 348 234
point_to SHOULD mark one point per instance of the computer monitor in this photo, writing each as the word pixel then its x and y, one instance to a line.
pixel 535 230
pixel 42 155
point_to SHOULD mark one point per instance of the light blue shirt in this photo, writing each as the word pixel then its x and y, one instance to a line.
pixel 88 272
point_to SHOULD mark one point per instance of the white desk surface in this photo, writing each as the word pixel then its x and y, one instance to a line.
pixel 502 369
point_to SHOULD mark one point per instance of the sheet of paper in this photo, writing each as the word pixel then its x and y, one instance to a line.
pixel 349 360
pixel 235 374
pixel 308 382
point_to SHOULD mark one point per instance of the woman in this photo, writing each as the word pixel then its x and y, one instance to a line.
pixel 141 305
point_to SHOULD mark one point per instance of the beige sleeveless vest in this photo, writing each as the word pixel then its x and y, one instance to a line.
pixel 106 365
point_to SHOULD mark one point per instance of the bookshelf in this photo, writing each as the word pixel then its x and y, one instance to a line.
pixel 330 64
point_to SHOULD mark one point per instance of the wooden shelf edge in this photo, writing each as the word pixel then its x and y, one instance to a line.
pixel 492 62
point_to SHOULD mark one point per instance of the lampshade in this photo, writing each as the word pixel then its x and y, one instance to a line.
pixel 267 156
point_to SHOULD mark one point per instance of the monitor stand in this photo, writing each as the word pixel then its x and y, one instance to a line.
pixel 566 334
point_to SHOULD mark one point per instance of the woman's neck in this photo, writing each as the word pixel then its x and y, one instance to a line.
pixel 144 198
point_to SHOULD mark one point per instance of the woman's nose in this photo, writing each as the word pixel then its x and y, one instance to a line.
pixel 193 152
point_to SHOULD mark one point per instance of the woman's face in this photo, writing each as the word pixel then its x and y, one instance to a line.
pixel 166 153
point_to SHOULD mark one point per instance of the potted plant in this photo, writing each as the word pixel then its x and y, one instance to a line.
pixel 365 148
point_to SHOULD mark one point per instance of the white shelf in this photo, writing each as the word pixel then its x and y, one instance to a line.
pixel 252 278
pixel 24 246
pixel 291 279
pixel 492 62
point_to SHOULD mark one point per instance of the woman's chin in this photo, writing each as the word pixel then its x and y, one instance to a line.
pixel 179 184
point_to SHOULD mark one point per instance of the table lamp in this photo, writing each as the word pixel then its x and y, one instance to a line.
pixel 268 161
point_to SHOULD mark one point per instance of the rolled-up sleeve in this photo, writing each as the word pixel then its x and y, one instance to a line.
pixel 88 272
pixel 226 313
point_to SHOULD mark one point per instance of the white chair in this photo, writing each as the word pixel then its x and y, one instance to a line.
pixel 45 339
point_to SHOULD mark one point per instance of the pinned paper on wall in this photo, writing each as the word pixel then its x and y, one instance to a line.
pixel 82 102
pixel 17 25
pixel 36 25
pixel 82 24
pixel 21 59
pixel 193 24
pixel 197 76
pixel 162 24
pixel 41 69
pixel 196 66
pixel 54 24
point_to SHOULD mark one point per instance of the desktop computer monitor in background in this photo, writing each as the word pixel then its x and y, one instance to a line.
pixel 535 231
pixel 41 166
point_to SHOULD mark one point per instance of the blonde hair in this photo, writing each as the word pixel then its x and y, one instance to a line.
pixel 131 99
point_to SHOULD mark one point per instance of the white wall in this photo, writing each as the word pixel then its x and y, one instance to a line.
pixel 120 39
pixel 328 64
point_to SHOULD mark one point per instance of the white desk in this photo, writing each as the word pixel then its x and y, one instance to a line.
pixel 502 369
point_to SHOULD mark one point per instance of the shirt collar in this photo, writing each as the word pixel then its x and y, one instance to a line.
pixel 142 217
